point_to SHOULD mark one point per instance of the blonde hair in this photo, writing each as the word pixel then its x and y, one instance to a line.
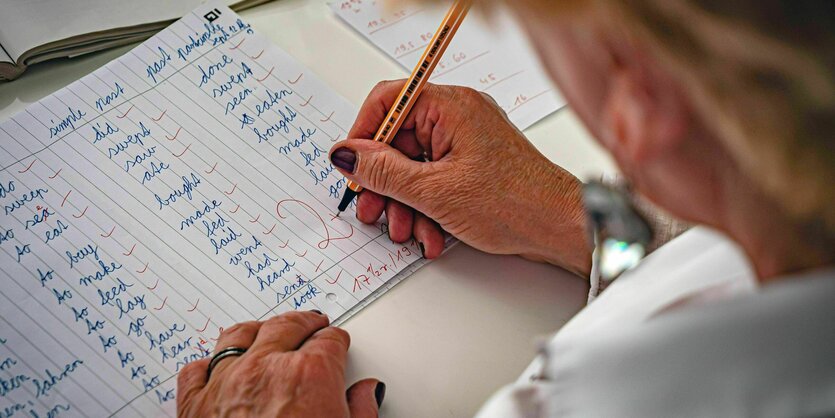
pixel 765 72
pixel 762 70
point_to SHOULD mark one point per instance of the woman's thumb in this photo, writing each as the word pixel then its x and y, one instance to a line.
pixel 365 398
pixel 380 168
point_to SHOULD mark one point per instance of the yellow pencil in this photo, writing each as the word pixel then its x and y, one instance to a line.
pixel 415 84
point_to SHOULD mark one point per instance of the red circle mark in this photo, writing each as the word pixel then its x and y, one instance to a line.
pixel 126 113
pixel 176 134
pixel 154 286
pixel 144 269
pixel 163 304
pixel 235 210
pixel 296 80
pixel 65 198
pixel 234 187
pixel 238 45
pixel 271 230
pixel 257 56
pixel 325 242
pixel 81 214
pixel 327 118
pixel 256 219
pixel 127 254
pixel 336 279
pixel 195 306
pixel 109 233
pixel 28 167
pixel 212 170
pixel 56 174
pixel 269 73
pixel 182 153
pixel 160 116
pixel 205 326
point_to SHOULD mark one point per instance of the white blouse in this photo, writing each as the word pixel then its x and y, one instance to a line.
pixel 688 333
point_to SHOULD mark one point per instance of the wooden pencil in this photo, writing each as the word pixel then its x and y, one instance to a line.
pixel 415 84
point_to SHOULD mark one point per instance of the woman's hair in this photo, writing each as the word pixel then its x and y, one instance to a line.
pixel 762 70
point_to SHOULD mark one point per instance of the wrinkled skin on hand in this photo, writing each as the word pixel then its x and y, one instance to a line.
pixel 481 180
pixel 294 366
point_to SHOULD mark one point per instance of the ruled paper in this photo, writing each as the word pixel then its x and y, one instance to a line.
pixel 493 57
pixel 175 191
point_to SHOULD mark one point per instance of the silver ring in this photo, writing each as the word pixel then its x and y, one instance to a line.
pixel 222 354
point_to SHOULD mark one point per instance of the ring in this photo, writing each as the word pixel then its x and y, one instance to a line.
pixel 222 354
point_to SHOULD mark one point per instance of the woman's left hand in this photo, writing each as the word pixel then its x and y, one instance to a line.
pixel 294 366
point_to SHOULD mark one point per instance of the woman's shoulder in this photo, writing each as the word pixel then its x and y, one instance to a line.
pixel 769 353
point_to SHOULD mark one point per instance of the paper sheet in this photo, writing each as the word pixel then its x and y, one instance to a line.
pixel 493 57
pixel 175 191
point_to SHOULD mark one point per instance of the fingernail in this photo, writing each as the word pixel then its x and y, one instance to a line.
pixel 422 249
pixel 317 311
pixel 345 159
pixel 380 393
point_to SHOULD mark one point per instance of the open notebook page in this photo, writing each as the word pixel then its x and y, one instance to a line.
pixel 175 191
pixel 22 23
pixel 490 56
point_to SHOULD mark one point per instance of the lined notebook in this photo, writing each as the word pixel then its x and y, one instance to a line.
pixel 175 191
pixel 491 56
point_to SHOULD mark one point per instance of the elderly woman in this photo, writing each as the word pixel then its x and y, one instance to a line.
pixel 720 113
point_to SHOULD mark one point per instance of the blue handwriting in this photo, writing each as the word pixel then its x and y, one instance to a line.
pixel 68 121
pixel 105 101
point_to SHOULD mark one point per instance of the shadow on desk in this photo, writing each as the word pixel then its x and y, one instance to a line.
pixel 460 328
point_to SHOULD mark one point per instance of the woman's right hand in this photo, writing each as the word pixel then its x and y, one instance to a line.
pixel 483 182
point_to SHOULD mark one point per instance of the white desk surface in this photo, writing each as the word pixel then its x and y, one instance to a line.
pixel 460 328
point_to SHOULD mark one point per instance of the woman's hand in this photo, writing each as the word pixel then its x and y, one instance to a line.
pixel 482 181
pixel 293 367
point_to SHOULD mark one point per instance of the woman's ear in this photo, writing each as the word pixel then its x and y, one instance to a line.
pixel 645 112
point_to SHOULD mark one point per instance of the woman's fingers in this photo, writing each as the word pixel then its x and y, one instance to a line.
pixel 286 332
pixel 239 335
pixel 375 108
pixel 370 207
pixel 400 219
pixel 406 142
pixel 191 380
pixel 365 398
pixel 331 341
pixel 429 235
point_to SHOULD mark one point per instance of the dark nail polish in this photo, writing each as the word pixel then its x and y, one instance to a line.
pixel 345 159
pixel 317 311
pixel 380 393
pixel 422 249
